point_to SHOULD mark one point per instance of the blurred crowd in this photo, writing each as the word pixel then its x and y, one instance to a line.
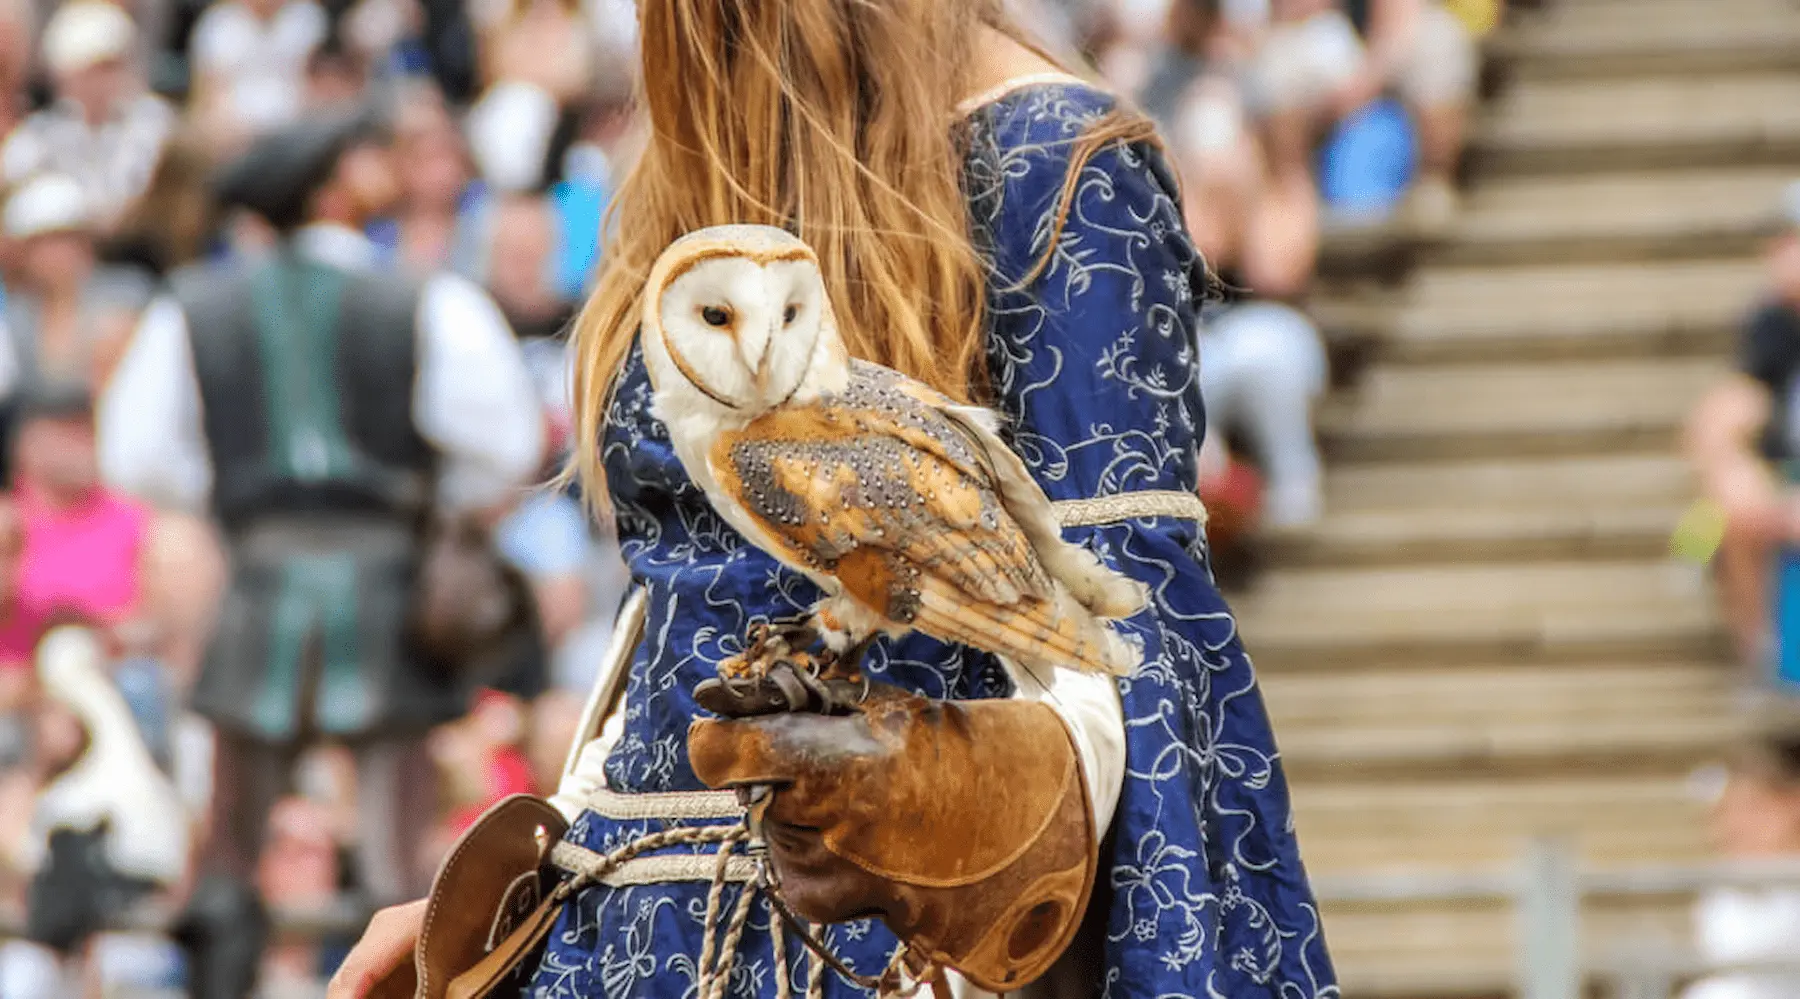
pixel 503 122
pixel 1288 119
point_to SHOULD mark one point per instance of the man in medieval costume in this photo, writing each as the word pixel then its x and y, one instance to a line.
pixel 321 412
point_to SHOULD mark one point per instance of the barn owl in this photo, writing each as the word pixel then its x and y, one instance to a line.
pixel 906 509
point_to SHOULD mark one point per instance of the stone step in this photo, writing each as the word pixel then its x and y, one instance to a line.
pixel 1468 749
pixel 1548 312
pixel 1353 826
pixel 1334 618
pixel 1615 216
pixel 1508 693
pixel 1468 949
pixel 1481 534
pixel 1516 720
pixel 1575 16
pixel 1631 737
pixel 1615 481
pixel 1463 411
pixel 1641 37
pixel 1348 855
pixel 1545 126
pixel 1350 852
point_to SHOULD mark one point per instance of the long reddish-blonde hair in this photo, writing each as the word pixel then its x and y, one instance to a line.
pixel 834 119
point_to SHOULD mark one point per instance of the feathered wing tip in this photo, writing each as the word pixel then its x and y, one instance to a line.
pixel 1103 648
pixel 1041 633
pixel 1096 587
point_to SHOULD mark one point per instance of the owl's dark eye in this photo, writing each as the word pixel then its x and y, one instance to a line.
pixel 787 317
pixel 715 316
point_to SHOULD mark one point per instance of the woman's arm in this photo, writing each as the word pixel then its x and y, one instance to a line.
pixel 1095 361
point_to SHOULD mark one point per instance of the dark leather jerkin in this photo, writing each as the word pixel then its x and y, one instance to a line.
pixel 323 487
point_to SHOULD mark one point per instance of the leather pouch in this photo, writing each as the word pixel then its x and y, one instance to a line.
pixel 492 902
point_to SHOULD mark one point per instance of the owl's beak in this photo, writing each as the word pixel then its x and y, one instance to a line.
pixel 753 346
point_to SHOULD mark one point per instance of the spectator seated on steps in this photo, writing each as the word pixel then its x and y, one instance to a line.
pixel 108 829
pixel 1193 92
pixel 250 60
pixel 484 755
pixel 300 870
pixel 546 536
pixel 1322 60
pixel 1264 368
pixel 444 219
pixel 1744 441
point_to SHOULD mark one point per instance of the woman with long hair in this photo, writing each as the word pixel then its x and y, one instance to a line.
pixel 995 227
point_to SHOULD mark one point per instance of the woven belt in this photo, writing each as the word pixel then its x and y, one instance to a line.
pixel 666 806
pixel 660 869
pixel 1121 507
pixel 610 804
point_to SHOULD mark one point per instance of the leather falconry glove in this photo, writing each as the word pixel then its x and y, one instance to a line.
pixel 964 825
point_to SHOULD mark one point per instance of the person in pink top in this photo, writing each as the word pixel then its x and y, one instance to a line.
pixel 79 548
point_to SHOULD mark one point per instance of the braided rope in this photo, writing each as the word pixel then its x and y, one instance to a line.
pixel 894 975
pixel 718 957
pixel 589 867
pixel 714 896
pixel 815 977
pixel 784 988
pixel 728 951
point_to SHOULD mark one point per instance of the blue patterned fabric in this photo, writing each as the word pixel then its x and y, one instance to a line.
pixel 1095 365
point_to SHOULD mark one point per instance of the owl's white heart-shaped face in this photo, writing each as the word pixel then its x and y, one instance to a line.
pixel 743 330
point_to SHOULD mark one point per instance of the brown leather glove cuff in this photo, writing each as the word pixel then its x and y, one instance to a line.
pixel 965 825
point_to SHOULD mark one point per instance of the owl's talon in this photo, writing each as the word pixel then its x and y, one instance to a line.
pixel 743 667
pixel 793 636
pixel 846 665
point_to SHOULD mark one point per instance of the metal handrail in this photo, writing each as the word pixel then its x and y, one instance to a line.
pixel 1546 891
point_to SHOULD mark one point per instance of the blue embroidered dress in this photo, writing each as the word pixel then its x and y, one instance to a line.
pixel 1094 364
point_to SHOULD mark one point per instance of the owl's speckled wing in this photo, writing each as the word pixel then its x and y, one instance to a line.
pixel 886 490
pixel 876 488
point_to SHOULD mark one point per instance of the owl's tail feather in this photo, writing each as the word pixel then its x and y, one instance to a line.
pixel 1033 633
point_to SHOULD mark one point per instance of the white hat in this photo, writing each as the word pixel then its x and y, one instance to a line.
pixel 46 203
pixel 84 32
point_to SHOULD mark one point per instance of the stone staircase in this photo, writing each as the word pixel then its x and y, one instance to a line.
pixel 1486 638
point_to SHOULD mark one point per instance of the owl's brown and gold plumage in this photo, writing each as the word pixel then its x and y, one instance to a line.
pixel 907 509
